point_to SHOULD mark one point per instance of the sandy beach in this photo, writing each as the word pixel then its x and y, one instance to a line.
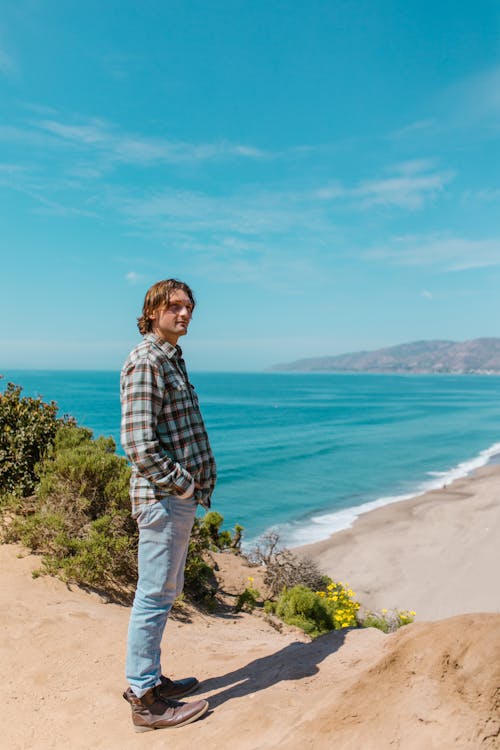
pixel 437 554
pixel 432 685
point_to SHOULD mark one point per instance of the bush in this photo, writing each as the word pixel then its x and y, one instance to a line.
pixel 200 583
pixel 210 527
pixel 248 599
pixel 387 621
pixel 283 568
pixel 344 609
pixel 317 612
pixel 27 429
pixel 79 517
pixel 303 608
pixel 85 477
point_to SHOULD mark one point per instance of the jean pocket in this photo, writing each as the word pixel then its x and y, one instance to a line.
pixel 154 514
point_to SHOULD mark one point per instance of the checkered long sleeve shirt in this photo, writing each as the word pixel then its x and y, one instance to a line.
pixel 162 430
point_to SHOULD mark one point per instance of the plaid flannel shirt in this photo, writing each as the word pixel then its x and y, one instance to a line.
pixel 162 430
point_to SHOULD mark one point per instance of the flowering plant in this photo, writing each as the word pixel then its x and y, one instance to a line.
pixel 338 597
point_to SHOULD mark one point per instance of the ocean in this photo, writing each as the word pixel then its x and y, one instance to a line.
pixel 305 454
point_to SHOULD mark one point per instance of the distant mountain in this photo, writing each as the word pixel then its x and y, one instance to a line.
pixel 479 356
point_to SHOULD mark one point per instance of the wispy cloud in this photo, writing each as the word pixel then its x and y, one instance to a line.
pixel 131 148
pixel 106 146
pixel 409 186
pixel 443 252
pixel 414 128
pixel 93 132
pixel 8 65
pixel 469 103
pixel 51 195
pixel 240 215
pixel 473 99
pixel 491 195
pixel 482 92
pixel 265 238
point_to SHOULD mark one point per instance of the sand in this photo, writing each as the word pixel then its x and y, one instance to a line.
pixel 437 554
pixel 431 685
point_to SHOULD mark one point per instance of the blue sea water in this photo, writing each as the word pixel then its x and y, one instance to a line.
pixel 306 453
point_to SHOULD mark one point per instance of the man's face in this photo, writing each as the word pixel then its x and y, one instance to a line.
pixel 173 320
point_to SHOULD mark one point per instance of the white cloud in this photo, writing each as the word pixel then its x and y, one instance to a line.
pixel 130 148
pixel 249 151
pixel 405 190
pixel 445 252
pixel 269 239
pixel 409 186
pixel 413 128
pixel 426 294
pixel 237 217
pixel 134 278
pixel 94 132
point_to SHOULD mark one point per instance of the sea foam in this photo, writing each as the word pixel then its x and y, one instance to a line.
pixel 318 527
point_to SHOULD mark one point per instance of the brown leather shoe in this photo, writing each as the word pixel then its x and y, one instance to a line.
pixel 177 688
pixel 153 712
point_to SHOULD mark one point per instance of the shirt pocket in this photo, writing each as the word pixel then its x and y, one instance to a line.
pixel 178 405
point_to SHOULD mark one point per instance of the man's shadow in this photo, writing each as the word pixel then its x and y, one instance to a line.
pixel 294 662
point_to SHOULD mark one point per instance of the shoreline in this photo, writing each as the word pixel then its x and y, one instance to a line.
pixel 435 553
pixel 323 525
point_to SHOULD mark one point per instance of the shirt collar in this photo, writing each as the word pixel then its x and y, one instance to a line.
pixel 164 345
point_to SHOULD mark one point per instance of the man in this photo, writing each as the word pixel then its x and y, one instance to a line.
pixel 173 470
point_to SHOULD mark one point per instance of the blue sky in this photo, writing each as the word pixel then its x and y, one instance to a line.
pixel 324 174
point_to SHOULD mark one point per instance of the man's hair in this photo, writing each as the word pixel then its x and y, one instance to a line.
pixel 158 296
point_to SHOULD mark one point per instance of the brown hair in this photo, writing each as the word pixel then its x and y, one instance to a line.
pixel 158 296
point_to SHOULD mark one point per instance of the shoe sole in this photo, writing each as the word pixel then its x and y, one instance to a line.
pixel 198 715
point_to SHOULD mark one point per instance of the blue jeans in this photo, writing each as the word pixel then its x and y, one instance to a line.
pixel 164 531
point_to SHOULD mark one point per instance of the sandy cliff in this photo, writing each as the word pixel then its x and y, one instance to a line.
pixel 430 685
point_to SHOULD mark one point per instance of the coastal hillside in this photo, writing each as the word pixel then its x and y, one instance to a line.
pixel 477 356
pixel 429 685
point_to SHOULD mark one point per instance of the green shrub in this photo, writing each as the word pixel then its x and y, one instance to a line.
pixel 27 429
pixel 317 612
pixel 199 580
pixel 200 583
pixel 84 476
pixel 211 528
pixel 270 607
pixel 301 607
pixel 102 558
pixel 79 517
pixel 80 521
pixel 247 600
pixel 387 621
